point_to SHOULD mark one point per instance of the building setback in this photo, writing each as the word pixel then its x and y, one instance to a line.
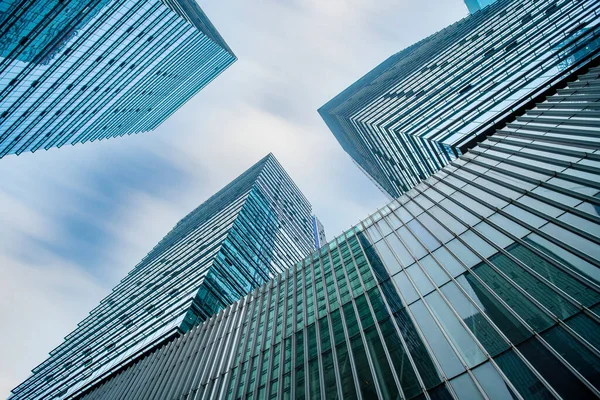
pixel 483 281
pixel 85 70
pixel 241 237
pixel 434 100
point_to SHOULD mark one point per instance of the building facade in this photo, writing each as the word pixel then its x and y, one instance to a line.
pixel 481 282
pixel 318 232
pixel 238 239
pixel 85 70
pixel 428 104
pixel 476 5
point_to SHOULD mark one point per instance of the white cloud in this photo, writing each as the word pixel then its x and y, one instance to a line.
pixel 293 57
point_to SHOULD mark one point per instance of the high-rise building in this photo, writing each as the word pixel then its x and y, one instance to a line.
pixel 482 282
pixel 241 237
pixel 85 70
pixel 318 232
pixel 431 102
pixel 476 5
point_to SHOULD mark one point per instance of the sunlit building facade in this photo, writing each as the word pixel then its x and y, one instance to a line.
pixel 84 70
pixel 431 102
pixel 481 282
pixel 241 237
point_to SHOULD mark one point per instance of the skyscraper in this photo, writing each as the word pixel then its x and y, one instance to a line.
pixel 241 237
pixel 429 103
pixel 318 231
pixel 483 281
pixel 85 70
pixel 476 5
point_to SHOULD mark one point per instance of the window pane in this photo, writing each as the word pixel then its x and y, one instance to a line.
pixel 559 376
pixel 449 262
pixel 475 321
pixel 500 316
pixel 532 314
pixel 404 370
pixel 407 291
pixel 459 336
pixel 465 388
pixel 526 383
pixel 419 353
pixel 436 272
pixel 492 383
pixel 383 371
pixel 438 343
pixel 576 354
pixel 418 276
pixel 541 292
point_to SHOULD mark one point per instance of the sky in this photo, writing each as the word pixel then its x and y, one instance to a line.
pixel 75 220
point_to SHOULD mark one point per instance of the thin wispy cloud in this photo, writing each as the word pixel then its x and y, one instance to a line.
pixel 74 220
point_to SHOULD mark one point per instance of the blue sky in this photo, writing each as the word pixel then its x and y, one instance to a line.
pixel 74 221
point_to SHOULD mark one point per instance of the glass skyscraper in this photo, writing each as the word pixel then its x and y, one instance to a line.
pixel 241 237
pixel 84 70
pixel 481 282
pixel 476 5
pixel 318 231
pixel 431 102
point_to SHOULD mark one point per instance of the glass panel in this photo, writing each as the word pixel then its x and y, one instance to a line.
pixel 329 376
pixel 463 253
pixel 438 343
pixel 407 291
pixel 526 383
pixel 475 321
pixel 459 336
pixel 390 262
pixel 403 254
pixel 440 393
pixel 385 378
pixel 418 276
pixel 498 313
pixel 559 376
pixel 436 272
pixel 541 292
pixel 492 383
pixel 587 328
pixel 532 314
pixel 314 384
pixel 465 388
pixel 576 354
pixel 575 288
pixel 449 262
pixel 363 372
pixel 423 234
pixel 404 370
pixel 412 244
pixel 420 355
pixel 347 380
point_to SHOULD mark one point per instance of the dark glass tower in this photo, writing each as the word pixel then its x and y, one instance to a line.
pixel 429 103
pixel 241 237
pixel 482 282
pixel 85 70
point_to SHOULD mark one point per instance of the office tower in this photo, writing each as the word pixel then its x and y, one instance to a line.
pixel 85 70
pixel 434 100
pixel 476 5
pixel 483 281
pixel 318 232
pixel 241 237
